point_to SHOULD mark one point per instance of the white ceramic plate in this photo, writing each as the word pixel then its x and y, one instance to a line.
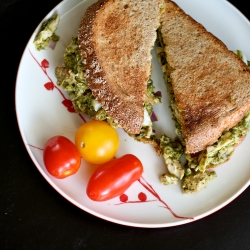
pixel 41 115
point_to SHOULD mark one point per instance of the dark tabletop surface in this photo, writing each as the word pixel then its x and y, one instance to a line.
pixel 34 216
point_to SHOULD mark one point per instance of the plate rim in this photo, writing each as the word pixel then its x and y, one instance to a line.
pixel 61 192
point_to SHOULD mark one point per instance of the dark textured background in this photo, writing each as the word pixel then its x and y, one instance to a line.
pixel 34 216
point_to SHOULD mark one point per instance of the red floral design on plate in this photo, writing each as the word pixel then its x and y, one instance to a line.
pixel 142 197
pixel 51 86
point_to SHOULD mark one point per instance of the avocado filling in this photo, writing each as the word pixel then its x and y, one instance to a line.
pixel 196 177
pixel 71 77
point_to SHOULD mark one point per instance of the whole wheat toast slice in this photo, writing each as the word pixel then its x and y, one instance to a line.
pixel 116 38
pixel 211 84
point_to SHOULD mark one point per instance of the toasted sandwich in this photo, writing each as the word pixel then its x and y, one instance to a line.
pixel 209 88
pixel 107 67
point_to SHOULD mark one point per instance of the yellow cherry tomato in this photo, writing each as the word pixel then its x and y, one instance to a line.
pixel 97 142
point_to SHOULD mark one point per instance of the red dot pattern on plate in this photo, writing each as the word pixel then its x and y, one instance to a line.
pixel 123 198
pixel 142 196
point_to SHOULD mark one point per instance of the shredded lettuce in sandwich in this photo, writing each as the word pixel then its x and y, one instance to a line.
pixel 71 77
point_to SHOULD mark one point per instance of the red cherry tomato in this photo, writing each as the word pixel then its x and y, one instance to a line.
pixel 61 157
pixel 113 178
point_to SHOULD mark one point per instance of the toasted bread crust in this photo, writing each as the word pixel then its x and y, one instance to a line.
pixel 211 84
pixel 115 39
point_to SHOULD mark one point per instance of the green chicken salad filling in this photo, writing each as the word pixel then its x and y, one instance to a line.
pixel 171 152
pixel 47 33
pixel 71 77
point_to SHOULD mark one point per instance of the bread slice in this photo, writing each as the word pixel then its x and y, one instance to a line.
pixel 211 85
pixel 115 39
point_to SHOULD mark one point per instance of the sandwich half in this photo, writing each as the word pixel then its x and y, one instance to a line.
pixel 209 87
pixel 107 67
